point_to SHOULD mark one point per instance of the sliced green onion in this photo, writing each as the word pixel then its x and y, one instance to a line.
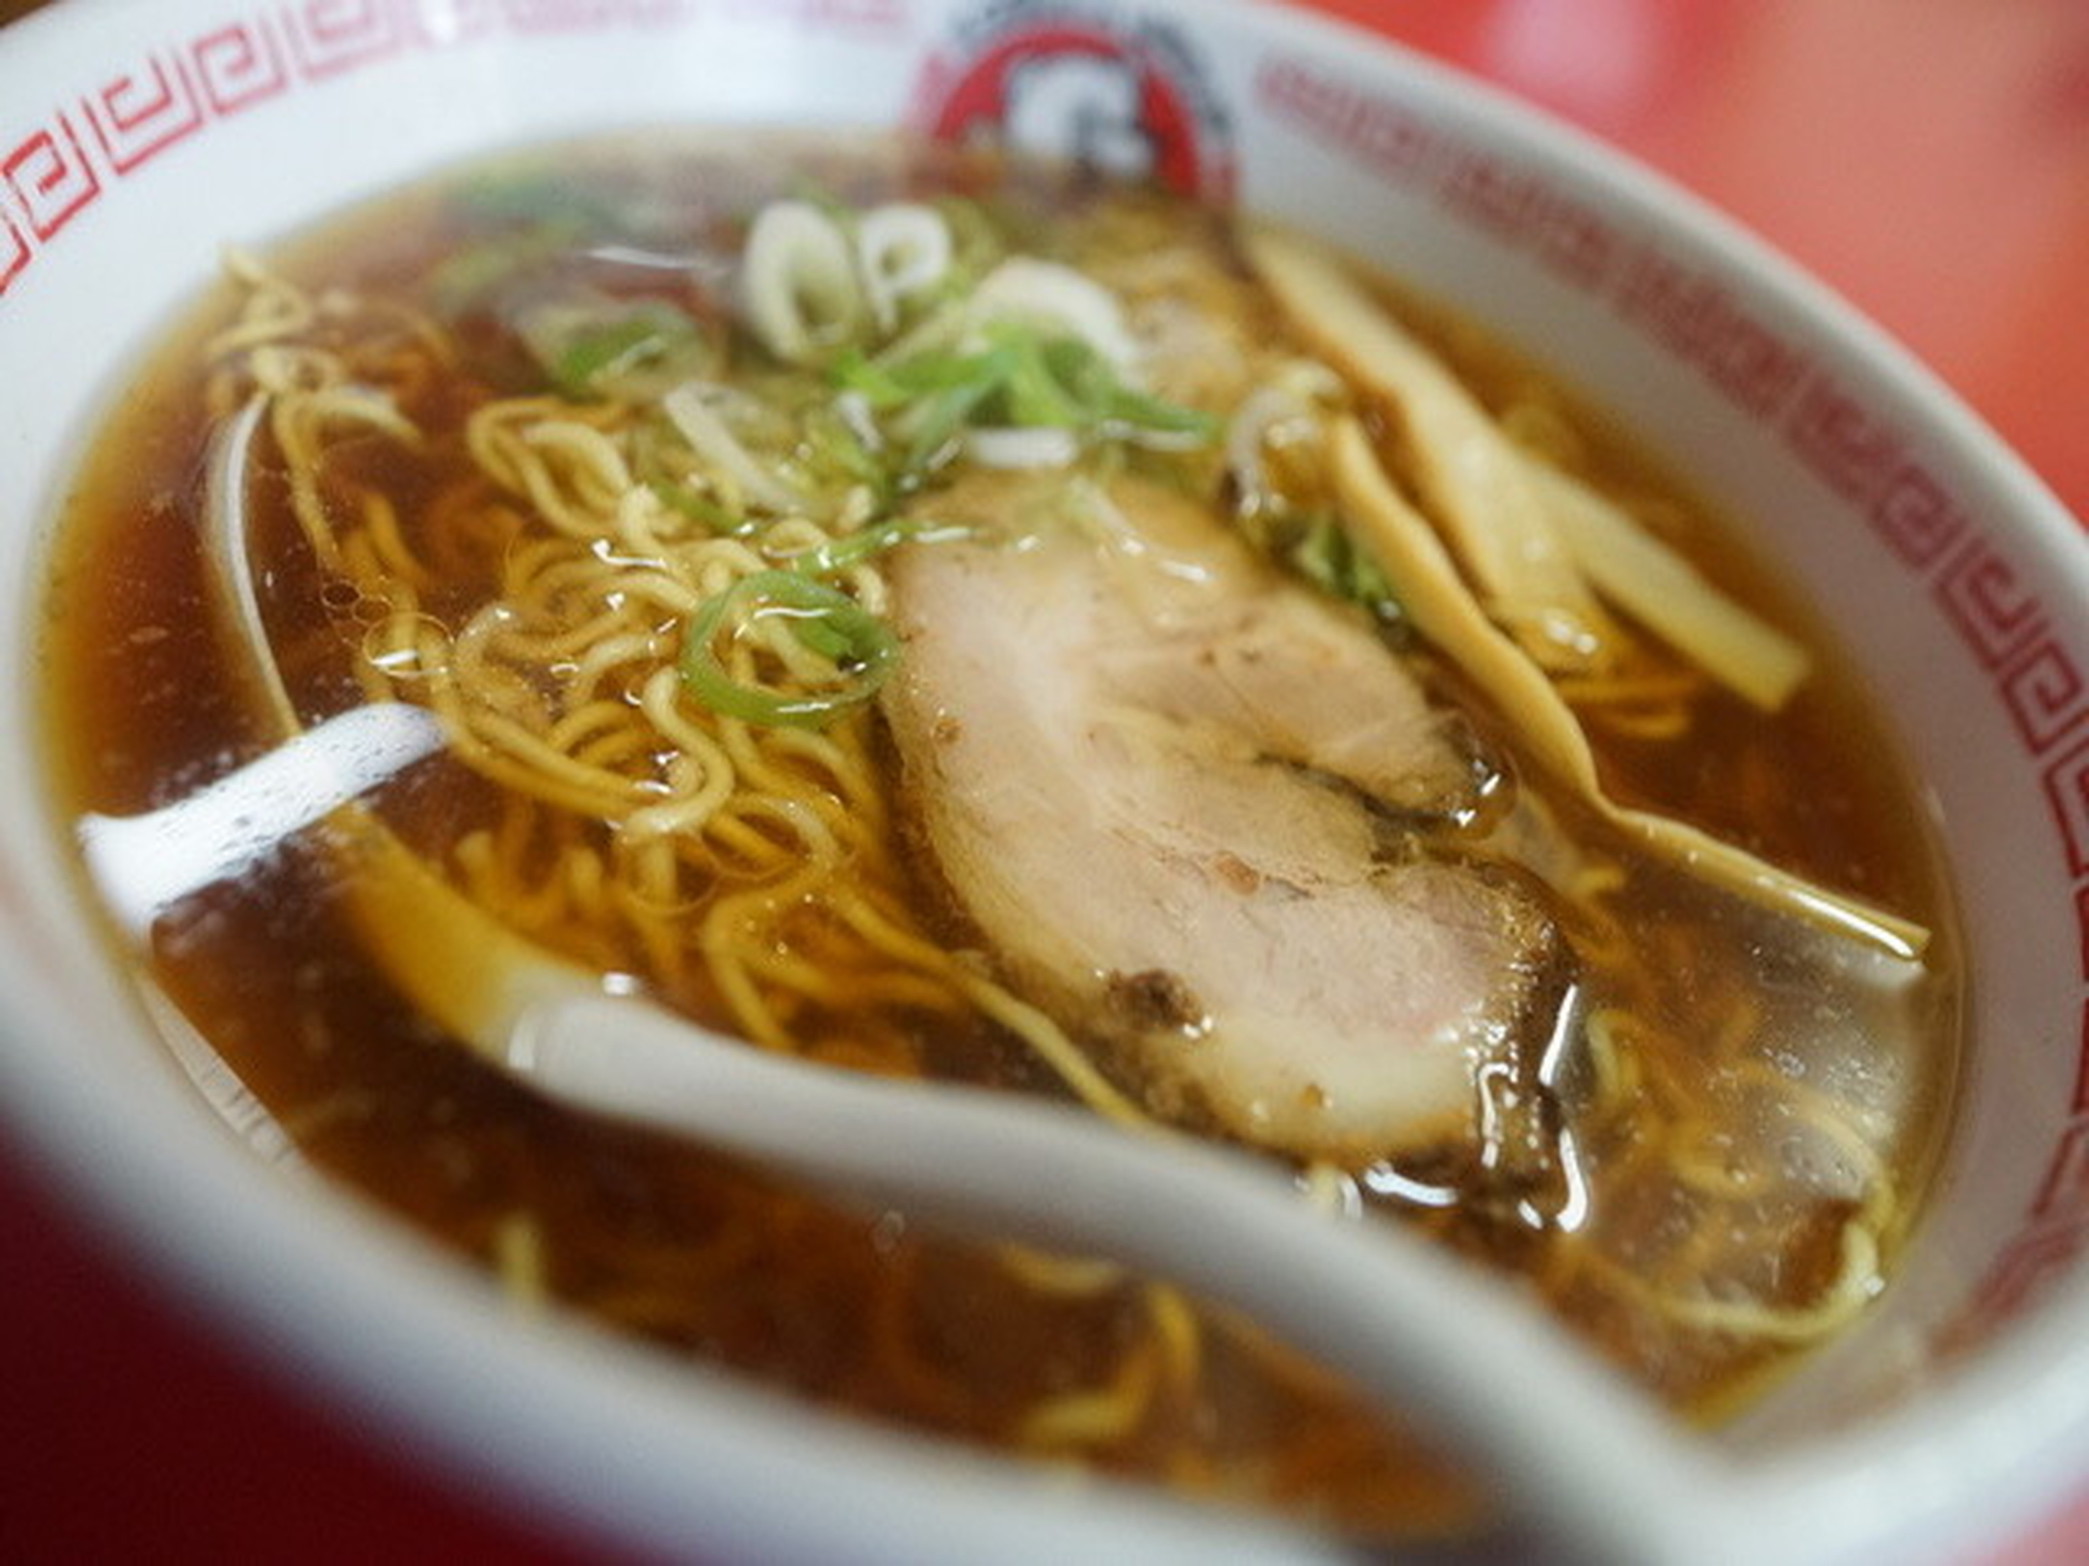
pixel 878 386
pixel 515 222
pixel 712 515
pixel 903 250
pixel 823 618
pixel 469 276
pixel 594 346
pixel 1034 394
pixel 799 291
pixel 886 385
pixel 527 195
pixel 934 423
pixel 852 549
pixel 833 444
pixel 1327 556
pixel 592 354
pixel 1020 379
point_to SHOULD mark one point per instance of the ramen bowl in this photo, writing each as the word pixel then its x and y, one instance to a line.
pixel 140 140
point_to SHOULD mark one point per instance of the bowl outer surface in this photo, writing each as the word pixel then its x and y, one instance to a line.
pixel 111 215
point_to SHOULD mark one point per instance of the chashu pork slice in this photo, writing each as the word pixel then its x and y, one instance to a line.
pixel 1173 793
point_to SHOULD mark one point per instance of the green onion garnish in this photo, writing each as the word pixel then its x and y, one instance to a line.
pixel 1021 378
pixel 823 618
pixel 1328 557
pixel 596 346
pixel 699 508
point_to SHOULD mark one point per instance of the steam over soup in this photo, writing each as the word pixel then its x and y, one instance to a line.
pixel 968 621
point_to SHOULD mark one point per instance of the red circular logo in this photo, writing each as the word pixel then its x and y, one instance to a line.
pixel 1123 97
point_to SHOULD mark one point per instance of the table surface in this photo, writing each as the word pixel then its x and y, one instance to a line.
pixel 1928 158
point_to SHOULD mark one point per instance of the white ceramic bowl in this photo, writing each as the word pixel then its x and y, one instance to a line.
pixel 136 138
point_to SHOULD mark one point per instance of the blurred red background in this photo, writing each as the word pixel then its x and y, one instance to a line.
pixel 1928 158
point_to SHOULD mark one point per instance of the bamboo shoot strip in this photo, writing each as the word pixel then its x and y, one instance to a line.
pixel 1469 475
pixel 1446 614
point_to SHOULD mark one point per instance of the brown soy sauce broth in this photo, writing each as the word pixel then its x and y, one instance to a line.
pixel 1785 1071
pixel 1762 1089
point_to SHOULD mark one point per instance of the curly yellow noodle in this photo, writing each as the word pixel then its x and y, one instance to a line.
pixel 592 726
pixel 1818 1110
pixel 590 462
pixel 743 849
pixel 1048 1272
pixel 564 483
pixel 1645 724
pixel 1855 1284
pixel 1099 1416
pixel 749 1007
pixel 518 1260
pixel 711 758
pixel 627 650
pixel 390 559
pixel 1176 1330
pixel 465 666
pixel 586 884
pixel 492 876
pixel 288 370
pixel 1044 1037
pixel 920 1375
pixel 723 938
pixel 391 654
pixel 766 774
pixel 271 307
pixel 832 770
pixel 504 632
pixel 1669 689
pixel 511 753
pixel 645 528
pixel 300 423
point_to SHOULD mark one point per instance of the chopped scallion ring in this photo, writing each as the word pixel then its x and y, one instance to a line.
pixel 825 619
